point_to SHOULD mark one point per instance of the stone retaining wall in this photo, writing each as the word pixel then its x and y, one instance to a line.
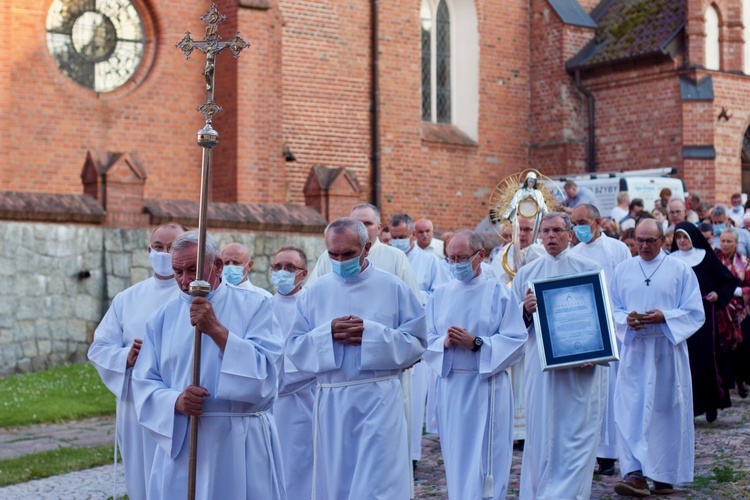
pixel 58 281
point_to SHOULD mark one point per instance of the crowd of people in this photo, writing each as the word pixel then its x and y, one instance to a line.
pixel 323 389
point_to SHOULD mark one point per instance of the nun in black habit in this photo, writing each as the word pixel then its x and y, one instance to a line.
pixel 717 287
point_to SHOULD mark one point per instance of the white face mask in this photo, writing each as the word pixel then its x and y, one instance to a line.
pixel 161 262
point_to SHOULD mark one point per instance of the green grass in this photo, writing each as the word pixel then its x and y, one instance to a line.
pixel 56 395
pixel 52 463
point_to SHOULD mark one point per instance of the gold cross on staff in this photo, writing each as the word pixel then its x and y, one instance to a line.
pixel 211 45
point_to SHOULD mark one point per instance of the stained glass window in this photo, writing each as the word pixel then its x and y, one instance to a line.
pixel 436 61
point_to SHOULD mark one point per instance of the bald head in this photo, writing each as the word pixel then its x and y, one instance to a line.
pixel 424 231
pixel 369 215
pixel 677 213
pixel 237 254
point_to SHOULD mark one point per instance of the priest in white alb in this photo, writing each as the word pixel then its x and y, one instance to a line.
pixel 117 343
pixel 657 306
pixel 563 406
pixel 293 409
pixel 356 329
pixel 430 274
pixel 608 252
pixel 475 332
pixel 241 358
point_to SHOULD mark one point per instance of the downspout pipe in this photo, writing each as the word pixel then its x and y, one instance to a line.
pixel 374 106
pixel 591 146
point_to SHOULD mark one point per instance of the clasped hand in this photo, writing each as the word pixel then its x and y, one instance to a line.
pixel 348 330
pixel 190 402
pixel 202 315
pixel 460 337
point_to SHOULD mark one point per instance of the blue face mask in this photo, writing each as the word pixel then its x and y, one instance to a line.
pixel 719 228
pixel 234 274
pixel 403 244
pixel 348 268
pixel 462 271
pixel 583 233
pixel 283 281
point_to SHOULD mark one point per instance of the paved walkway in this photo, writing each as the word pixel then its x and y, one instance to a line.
pixel 722 464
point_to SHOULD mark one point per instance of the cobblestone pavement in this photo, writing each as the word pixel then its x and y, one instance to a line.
pixel 722 463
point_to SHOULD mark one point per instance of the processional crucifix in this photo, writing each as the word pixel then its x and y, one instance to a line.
pixel 208 139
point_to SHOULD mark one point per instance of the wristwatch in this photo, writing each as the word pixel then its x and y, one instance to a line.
pixel 477 344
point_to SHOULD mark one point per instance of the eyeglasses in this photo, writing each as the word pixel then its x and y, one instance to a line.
pixel 288 268
pixel 161 248
pixel 646 241
pixel 452 259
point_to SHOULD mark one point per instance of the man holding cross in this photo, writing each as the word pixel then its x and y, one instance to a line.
pixel 238 447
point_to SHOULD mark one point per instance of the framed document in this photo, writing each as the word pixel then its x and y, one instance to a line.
pixel 573 321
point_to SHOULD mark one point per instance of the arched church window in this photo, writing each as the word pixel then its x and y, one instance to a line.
pixel 436 61
pixel 713 53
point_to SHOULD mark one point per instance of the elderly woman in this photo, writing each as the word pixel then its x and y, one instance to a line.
pixel 717 287
pixel 734 321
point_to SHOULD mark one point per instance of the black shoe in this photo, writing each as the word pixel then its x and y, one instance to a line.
pixel 711 415
pixel 742 392
pixel 606 466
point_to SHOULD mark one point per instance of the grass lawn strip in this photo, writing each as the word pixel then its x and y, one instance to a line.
pixel 57 395
pixel 52 463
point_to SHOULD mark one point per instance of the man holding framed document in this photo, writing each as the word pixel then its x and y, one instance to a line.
pixel 563 405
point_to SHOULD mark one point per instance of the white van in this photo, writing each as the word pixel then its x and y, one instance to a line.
pixel 643 184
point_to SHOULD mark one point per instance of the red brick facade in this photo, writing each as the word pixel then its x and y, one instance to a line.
pixel 304 86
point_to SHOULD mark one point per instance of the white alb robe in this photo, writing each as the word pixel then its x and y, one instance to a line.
pixel 238 446
pixel 608 252
pixel 563 407
pixel 293 409
pixel 476 382
pixel 654 395
pixel 436 248
pixel 430 274
pixel 534 252
pixel 124 322
pixel 248 285
pixel 360 425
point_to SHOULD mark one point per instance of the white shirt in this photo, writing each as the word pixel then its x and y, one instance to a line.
pixel 242 381
pixel 124 322
pixel 247 285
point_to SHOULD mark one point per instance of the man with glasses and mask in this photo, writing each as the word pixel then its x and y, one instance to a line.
pixel 608 252
pixel 563 407
pixel 475 333
pixel 117 343
pixel 294 407
pixel 356 329
pixel 657 306
pixel 720 222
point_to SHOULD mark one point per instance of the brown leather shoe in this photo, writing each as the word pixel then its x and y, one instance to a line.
pixel 633 486
pixel 662 488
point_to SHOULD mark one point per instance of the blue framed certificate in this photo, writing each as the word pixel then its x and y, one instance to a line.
pixel 573 321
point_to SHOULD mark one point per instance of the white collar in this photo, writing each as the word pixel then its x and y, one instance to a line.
pixel 691 257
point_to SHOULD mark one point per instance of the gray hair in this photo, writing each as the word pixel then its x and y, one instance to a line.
pixel 399 219
pixel 367 205
pixel 191 238
pixel 733 231
pixel 475 241
pixel 591 209
pixel 565 217
pixel 719 211
pixel 292 248
pixel 345 224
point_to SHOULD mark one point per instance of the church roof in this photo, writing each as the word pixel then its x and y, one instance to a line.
pixel 633 29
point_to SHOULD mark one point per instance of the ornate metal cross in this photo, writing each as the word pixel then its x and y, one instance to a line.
pixel 208 138
pixel 211 45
